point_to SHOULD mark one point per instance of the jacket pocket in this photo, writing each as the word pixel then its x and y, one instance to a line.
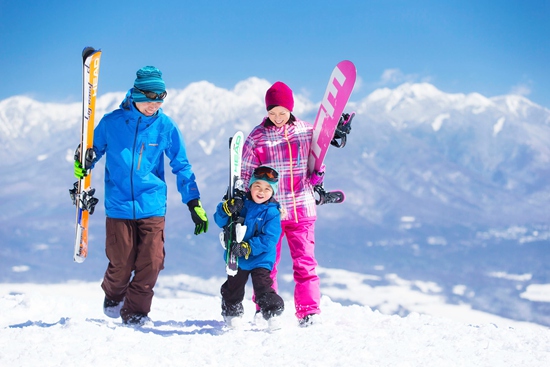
pixel 149 153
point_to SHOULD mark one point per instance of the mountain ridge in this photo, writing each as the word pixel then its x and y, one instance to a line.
pixel 422 139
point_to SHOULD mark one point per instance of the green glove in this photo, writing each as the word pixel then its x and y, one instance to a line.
pixel 79 171
pixel 198 215
pixel 82 171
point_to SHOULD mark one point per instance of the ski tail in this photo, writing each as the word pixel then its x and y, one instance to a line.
pixel 90 75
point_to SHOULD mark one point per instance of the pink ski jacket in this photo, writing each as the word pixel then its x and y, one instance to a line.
pixel 286 149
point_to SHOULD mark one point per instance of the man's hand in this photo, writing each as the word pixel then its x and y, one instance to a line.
pixel 198 215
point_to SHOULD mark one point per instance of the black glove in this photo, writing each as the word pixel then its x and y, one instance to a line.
pixel 198 215
pixel 240 249
pixel 233 206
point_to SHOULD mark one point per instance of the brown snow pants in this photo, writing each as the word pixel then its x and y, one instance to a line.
pixel 133 246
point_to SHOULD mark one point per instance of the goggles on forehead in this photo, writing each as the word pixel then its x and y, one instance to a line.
pixel 266 173
pixel 152 95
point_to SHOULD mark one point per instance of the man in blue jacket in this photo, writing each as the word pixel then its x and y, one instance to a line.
pixel 134 139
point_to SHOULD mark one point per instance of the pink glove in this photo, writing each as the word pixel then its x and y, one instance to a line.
pixel 316 178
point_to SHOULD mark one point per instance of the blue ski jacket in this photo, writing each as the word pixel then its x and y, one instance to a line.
pixel 263 230
pixel 134 145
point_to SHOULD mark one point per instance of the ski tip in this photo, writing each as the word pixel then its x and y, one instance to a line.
pixel 87 51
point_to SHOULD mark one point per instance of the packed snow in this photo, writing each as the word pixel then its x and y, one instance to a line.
pixel 63 325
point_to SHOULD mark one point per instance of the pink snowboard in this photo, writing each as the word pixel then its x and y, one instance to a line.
pixel 336 97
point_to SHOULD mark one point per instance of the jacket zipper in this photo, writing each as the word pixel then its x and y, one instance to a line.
pixel 291 176
pixel 132 170
pixel 140 155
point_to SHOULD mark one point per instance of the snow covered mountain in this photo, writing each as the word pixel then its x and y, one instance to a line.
pixel 440 187
pixel 464 159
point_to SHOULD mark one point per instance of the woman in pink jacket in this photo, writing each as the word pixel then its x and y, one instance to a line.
pixel 282 141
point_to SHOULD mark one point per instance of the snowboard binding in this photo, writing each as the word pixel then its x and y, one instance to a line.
pixel 327 197
pixel 342 130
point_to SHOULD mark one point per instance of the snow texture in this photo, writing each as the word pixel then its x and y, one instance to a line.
pixel 63 325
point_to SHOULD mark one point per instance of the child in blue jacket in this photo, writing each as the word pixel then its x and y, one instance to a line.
pixel 257 250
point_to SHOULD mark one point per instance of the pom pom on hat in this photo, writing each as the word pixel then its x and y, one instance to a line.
pixel 279 95
pixel 149 79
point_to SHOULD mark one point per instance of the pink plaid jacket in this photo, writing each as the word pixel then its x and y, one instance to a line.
pixel 286 149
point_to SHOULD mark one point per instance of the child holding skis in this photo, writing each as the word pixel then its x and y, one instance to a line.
pixel 256 251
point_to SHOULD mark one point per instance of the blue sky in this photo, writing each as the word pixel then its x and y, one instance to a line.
pixel 490 47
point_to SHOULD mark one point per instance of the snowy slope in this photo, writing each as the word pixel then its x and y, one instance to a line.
pixel 63 325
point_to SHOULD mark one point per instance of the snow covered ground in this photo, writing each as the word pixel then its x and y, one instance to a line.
pixel 63 325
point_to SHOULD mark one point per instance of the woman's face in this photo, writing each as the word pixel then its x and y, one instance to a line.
pixel 278 115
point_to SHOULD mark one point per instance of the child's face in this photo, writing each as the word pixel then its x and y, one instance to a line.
pixel 261 191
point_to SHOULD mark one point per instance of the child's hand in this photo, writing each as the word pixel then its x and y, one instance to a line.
pixel 240 249
pixel 233 206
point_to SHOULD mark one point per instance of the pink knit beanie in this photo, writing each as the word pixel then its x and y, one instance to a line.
pixel 279 95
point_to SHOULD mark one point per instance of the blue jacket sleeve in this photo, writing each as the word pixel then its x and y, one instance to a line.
pixel 100 141
pixel 220 217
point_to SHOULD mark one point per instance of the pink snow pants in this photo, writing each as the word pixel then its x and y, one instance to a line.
pixel 301 242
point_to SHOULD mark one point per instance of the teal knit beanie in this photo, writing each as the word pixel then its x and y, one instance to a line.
pixel 149 79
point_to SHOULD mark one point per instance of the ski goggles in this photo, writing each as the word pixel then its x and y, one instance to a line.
pixel 266 173
pixel 152 95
